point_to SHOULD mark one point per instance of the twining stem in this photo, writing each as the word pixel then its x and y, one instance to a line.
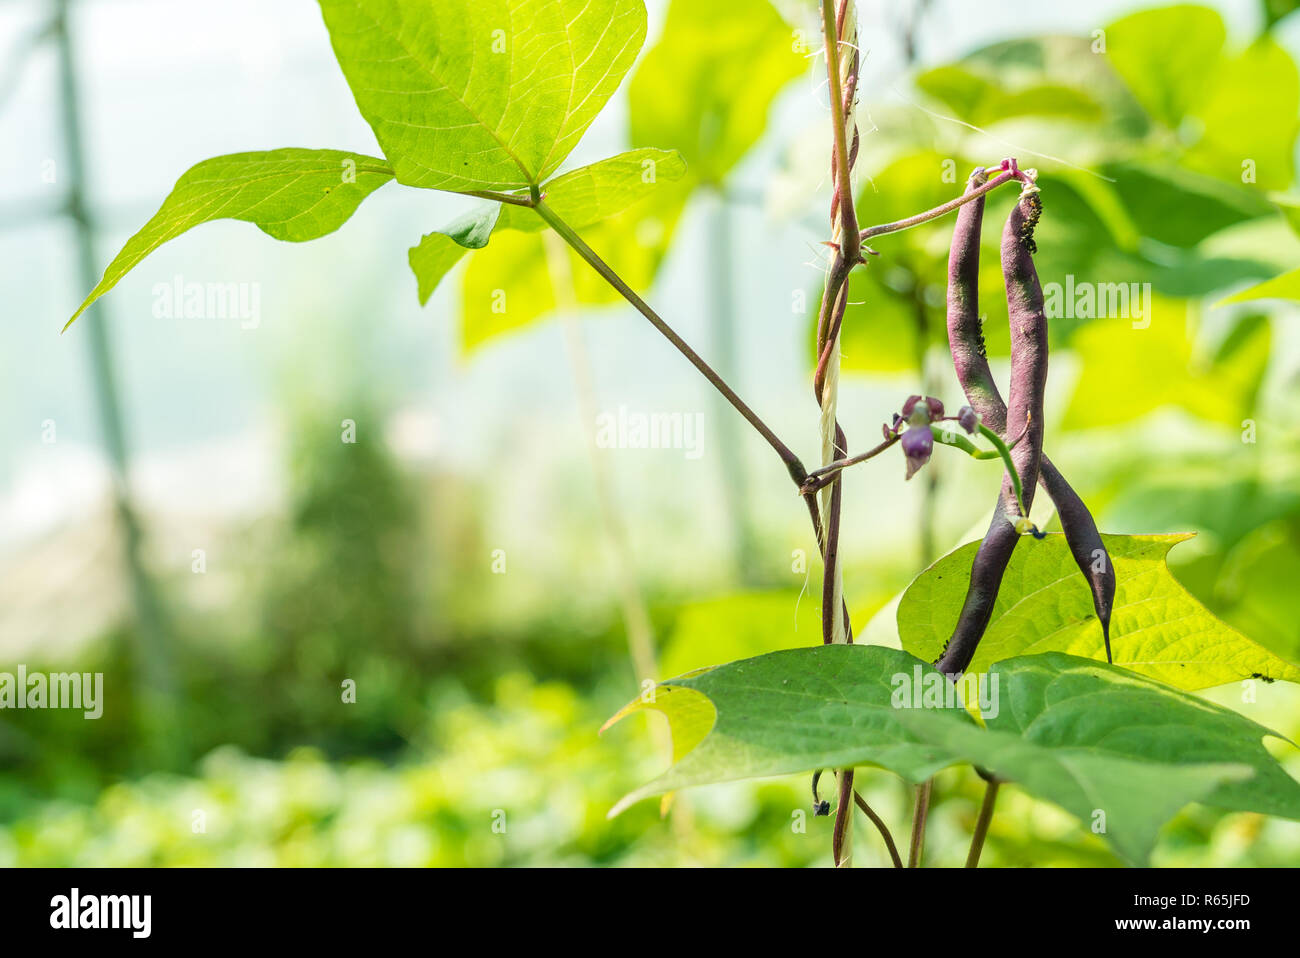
pixel 832 28
pixel 880 827
pixel 919 815
pixel 943 209
pixel 792 463
pixel 838 29
pixel 842 836
pixel 982 823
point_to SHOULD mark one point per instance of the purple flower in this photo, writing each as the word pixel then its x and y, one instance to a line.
pixel 922 409
pixel 967 419
pixel 918 443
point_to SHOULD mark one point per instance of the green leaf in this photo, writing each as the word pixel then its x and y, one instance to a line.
pixel 706 85
pixel 509 285
pixel 442 249
pixel 1286 286
pixel 1132 367
pixel 1166 78
pixel 793 711
pixel 1257 586
pixel 1182 208
pixel 1157 627
pixel 1100 741
pixel 292 194
pixel 595 193
pixel 983 101
pixel 584 198
pixel 1260 138
pixel 505 287
pixel 482 94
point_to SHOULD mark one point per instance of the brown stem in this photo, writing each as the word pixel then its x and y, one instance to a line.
pixel 792 463
pixel 843 818
pixel 919 815
pixel 944 208
pixel 880 827
pixel 824 476
pixel 982 823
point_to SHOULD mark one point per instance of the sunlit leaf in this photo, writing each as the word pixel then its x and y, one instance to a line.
pixel 482 94
pixel 1136 365
pixel 1044 605
pixel 705 87
pixel 291 194
pixel 1120 752
pixel 1286 286
pixel 1167 57
pixel 1256 141
pixel 1182 208
pixel 794 711
pixel 983 101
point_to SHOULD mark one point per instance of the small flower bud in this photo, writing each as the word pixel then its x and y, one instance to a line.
pixel 918 443
pixel 967 419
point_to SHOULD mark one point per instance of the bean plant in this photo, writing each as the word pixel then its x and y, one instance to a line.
pixel 1073 685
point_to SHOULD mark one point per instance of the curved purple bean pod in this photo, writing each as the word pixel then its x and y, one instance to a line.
pixel 1028 381
pixel 966 340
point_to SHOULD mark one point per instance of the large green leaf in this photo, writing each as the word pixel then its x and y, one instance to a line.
pixel 1181 208
pixel 792 711
pixel 982 101
pixel 482 94
pixel 292 194
pixel 1157 627
pixel 1121 752
pixel 1132 367
pixel 706 85
pixel 1100 741
pixel 1167 57
pixel 1263 136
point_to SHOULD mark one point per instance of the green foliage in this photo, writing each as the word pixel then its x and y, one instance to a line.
pixel 705 88
pixel 473 95
pixel 442 249
pixel 792 711
pixel 1094 738
pixel 1120 752
pixel 294 195
pixel 1157 627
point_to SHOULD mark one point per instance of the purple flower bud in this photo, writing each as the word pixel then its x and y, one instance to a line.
pixel 918 443
pixel 936 408
pixel 910 405
pixel 967 419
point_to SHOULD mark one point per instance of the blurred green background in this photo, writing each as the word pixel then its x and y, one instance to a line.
pixel 179 509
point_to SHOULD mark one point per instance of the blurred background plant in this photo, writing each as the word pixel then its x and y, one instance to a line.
pixel 198 530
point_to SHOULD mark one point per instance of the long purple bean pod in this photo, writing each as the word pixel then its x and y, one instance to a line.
pixel 1028 382
pixel 965 338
